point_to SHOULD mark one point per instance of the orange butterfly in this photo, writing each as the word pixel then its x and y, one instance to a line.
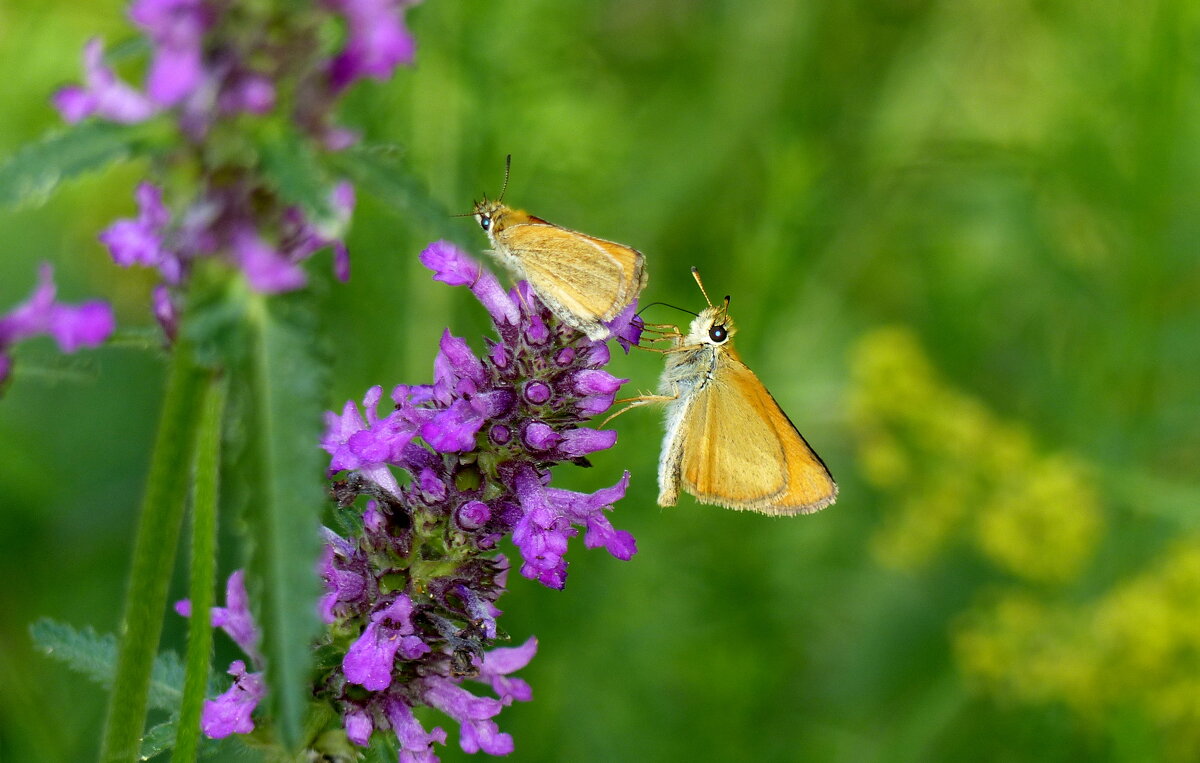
pixel 728 442
pixel 584 280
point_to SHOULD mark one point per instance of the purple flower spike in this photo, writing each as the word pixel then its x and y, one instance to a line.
pixel 72 326
pixel 102 95
pixel 230 712
pixel 415 593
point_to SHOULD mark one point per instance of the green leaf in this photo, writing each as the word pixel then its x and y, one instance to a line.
pixel 277 377
pixel 31 174
pixel 290 165
pixel 203 566
pixel 95 656
pixel 153 556
pixel 157 740
pixel 377 170
pixel 285 380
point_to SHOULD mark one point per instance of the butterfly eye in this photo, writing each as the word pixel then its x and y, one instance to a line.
pixel 485 222
pixel 718 334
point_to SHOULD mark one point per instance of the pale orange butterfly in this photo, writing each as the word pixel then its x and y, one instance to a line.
pixel 584 280
pixel 728 442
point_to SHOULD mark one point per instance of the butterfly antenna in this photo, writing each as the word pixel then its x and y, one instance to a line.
pixel 696 275
pixel 725 310
pixel 507 167
pixel 666 304
pixel 476 205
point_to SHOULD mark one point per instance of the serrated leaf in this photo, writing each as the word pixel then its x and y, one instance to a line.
pixel 157 740
pixel 286 381
pixel 95 656
pixel 162 737
pixel 274 472
pixel 31 174
pixel 377 170
pixel 290 165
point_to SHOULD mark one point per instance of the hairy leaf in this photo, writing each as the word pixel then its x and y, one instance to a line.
pixel 95 656
pixel 30 175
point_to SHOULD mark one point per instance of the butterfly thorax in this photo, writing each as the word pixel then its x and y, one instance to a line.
pixel 693 359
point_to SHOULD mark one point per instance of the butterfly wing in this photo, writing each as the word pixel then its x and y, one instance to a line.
pixel 589 278
pixel 740 450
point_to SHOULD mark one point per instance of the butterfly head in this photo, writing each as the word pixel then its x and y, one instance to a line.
pixel 490 215
pixel 712 327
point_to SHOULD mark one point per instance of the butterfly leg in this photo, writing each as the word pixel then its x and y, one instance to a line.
pixel 636 402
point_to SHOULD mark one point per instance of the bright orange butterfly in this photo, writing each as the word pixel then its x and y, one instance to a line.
pixel 584 280
pixel 728 442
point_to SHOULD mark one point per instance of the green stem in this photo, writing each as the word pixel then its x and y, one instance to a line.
pixel 203 567
pixel 153 557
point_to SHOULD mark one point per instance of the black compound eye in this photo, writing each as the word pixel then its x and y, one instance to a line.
pixel 485 222
pixel 718 334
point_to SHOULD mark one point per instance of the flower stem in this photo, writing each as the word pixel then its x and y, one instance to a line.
pixel 203 566
pixel 153 556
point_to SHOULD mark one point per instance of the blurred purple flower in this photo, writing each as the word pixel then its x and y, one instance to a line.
pixel 376 41
pixel 72 326
pixel 301 237
pixel 211 62
pixel 176 27
pixel 266 268
pixel 102 95
pixel 140 241
pixel 230 712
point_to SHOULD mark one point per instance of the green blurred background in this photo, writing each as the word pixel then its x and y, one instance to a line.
pixel 961 239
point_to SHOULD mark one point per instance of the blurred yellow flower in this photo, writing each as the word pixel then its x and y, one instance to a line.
pixel 1136 648
pixel 956 471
